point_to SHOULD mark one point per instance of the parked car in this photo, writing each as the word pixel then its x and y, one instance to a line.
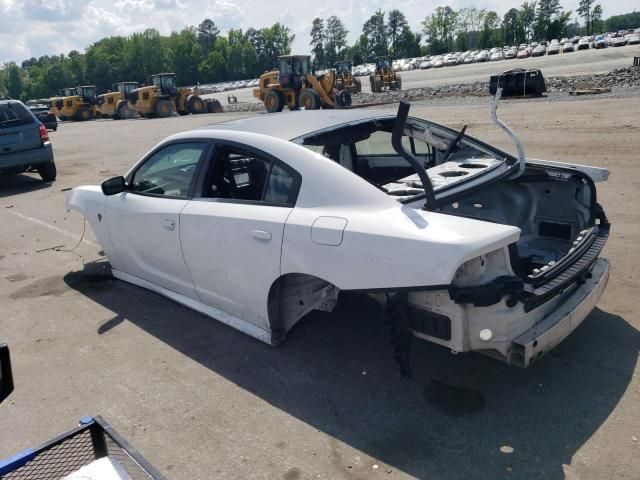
pixel 600 42
pixel 484 251
pixel 496 56
pixel 633 39
pixel 567 47
pixel 554 49
pixel 44 114
pixel 539 51
pixel 584 44
pixel 511 53
pixel 483 56
pixel 24 142
pixel 523 53
pixel 618 42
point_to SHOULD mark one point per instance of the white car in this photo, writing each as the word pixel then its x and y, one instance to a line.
pixel 259 221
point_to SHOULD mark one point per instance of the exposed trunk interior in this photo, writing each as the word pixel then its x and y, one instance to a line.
pixel 552 210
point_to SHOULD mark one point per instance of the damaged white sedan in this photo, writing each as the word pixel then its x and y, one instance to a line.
pixel 257 222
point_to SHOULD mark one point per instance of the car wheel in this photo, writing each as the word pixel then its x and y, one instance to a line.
pixel 398 82
pixel 125 112
pixel 343 98
pixel 377 82
pixel 358 85
pixel 47 171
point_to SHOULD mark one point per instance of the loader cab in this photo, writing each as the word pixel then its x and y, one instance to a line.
pixel 67 92
pixel 166 82
pixel 125 89
pixel 88 94
pixel 382 63
pixel 343 67
pixel 293 70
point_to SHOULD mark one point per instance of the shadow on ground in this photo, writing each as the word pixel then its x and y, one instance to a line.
pixel 15 184
pixel 336 373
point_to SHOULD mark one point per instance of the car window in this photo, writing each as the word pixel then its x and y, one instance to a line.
pixel 169 171
pixel 242 175
pixel 13 114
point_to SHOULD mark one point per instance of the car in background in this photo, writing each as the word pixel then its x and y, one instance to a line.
pixel 618 42
pixel 483 56
pixel 600 42
pixel 45 115
pixel 539 51
pixel 584 44
pixel 524 53
pixel 567 47
pixel 553 49
pixel 495 56
pixel 511 53
pixel 24 142
pixel 633 39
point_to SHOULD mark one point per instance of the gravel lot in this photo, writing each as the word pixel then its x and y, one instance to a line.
pixel 202 401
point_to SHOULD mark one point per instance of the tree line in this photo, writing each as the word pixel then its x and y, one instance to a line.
pixel 203 54
pixel 195 54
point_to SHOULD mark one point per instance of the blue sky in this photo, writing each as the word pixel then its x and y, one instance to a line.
pixel 38 27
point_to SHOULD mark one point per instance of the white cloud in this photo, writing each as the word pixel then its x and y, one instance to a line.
pixel 50 27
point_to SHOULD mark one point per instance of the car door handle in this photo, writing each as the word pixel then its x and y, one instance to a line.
pixel 261 234
pixel 169 224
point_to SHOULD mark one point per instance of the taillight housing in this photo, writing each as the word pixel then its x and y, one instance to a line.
pixel 44 135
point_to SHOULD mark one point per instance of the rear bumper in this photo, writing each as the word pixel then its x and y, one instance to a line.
pixel 554 328
pixel 21 161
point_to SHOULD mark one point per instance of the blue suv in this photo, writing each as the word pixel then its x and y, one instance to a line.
pixel 24 142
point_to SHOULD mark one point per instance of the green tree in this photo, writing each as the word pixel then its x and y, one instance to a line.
pixel 396 28
pixel 597 25
pixel 512 28
pixel 318 42
pixel 375 30
pixel 207 34
pixel 14 81
pixel 490 36
pixel 336 40
pixel 439 29
pixel 527 19
pixel 546 11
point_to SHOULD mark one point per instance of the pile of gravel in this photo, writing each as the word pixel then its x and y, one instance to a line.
pixel 476 89
pixel 620 78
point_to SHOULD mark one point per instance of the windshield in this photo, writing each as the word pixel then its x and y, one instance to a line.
pixel 126 88
pixel 88 92
pixel 383 62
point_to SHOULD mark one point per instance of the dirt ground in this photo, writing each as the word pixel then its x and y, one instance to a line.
pixel 202 401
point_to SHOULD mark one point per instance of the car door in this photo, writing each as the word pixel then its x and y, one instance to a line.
pixel 232 232
pixel 144 220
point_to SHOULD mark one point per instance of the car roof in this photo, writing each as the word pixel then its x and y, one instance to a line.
pixel 291 125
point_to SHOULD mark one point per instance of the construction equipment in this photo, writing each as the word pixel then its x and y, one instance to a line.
pixel 294 86
pixel 384 77
pixel 77 103
pixel 345 79
pixel 117 104
pixel 162 98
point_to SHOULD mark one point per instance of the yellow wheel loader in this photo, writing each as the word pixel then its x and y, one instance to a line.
pixel 162 98
pixel 295 87
pixel 117 104
pixel 345 79
pixel 80 105
pixel 384 77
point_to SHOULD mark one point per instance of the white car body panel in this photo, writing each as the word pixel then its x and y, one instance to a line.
pixel 226 258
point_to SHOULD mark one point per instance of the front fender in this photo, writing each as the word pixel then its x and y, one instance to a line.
pixel 91 203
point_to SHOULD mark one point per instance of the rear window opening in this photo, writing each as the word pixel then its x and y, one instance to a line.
pixel 13 114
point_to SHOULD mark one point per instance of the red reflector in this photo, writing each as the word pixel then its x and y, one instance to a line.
pixel 44 135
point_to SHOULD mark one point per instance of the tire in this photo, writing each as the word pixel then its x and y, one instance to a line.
pixel 398 82
pixel 309 99
pixel 83 114
pixel 125 112
pixel 372 84
pixel 196 105
pixel 358 85
pixel 164 108
pixel 378 84
pixel 343 98
pixel 274 101
pixel 339 85
pixel 47 171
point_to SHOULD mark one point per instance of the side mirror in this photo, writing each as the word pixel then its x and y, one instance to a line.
pixel 114 186
pixel 6 377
